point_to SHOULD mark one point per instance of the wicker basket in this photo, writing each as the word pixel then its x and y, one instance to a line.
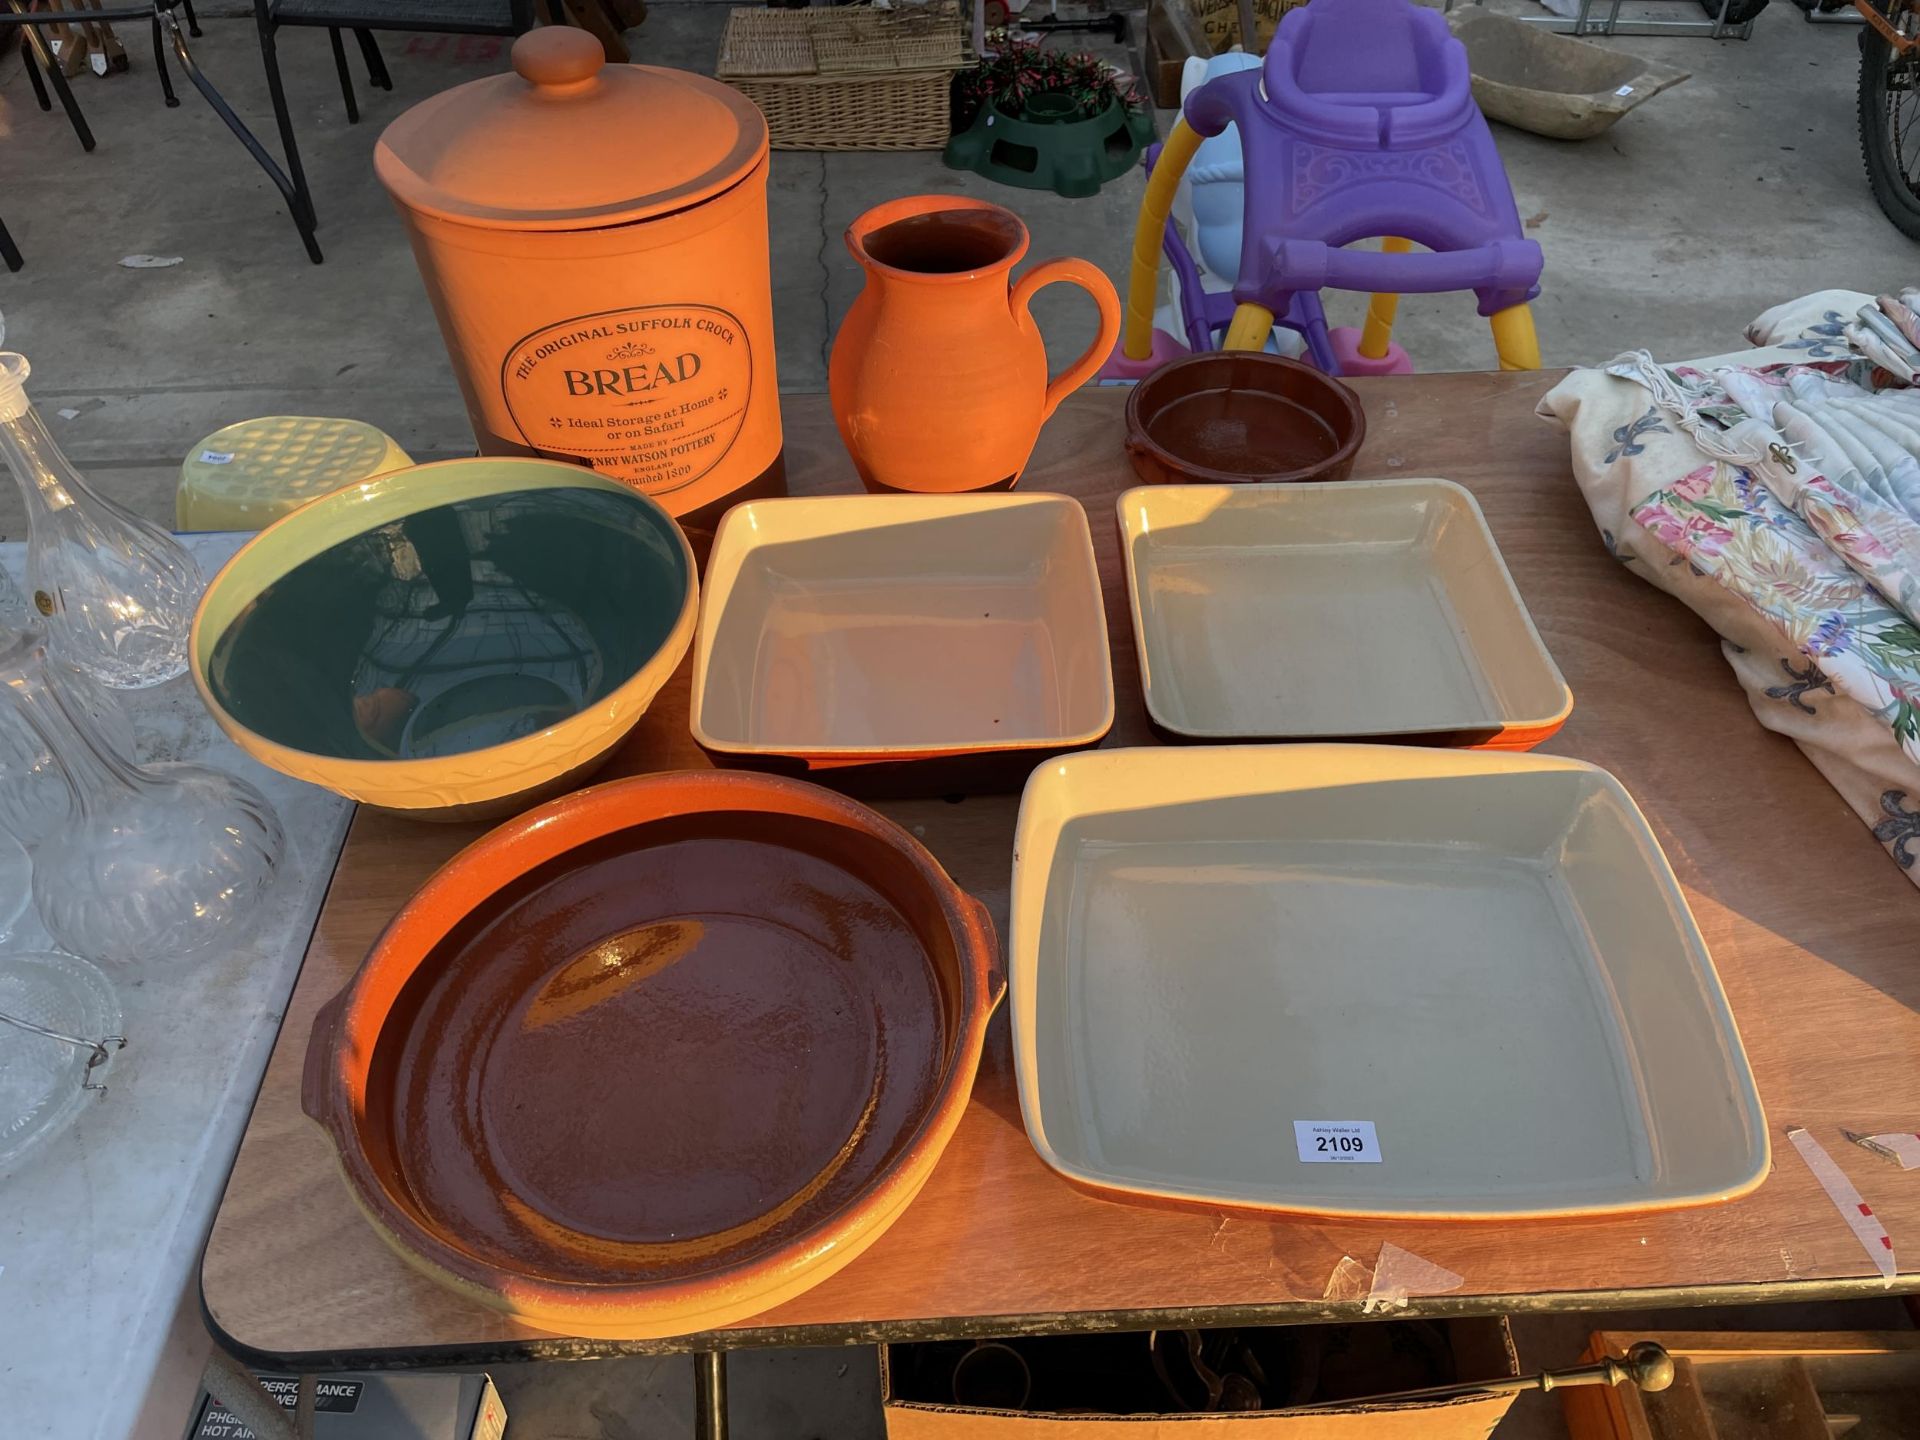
pixel 849 77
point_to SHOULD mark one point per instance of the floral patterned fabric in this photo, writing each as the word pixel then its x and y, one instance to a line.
pixel 1818 534
pixel 1852 468
pixel 1732 528
pixel 1805 591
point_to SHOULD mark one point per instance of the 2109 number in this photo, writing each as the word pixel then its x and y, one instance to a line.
pixel 1336 1142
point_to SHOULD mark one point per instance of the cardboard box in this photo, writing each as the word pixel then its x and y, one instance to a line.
pixel 1220 21
pixel 1481 1348
pixel 1177 29
pixel 375 1407
pixel 1172 37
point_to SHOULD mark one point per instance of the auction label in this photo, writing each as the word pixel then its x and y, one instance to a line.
pixel 654 395
pixel 1323 1142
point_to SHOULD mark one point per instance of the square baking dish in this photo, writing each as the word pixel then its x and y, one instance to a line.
pixel 1472 975
pixel 902 643
pixel 1374 609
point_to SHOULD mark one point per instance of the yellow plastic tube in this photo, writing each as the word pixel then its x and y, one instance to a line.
pixel 1137 338
pixel 1250 328
pixel 1378 331
pixel 1513 338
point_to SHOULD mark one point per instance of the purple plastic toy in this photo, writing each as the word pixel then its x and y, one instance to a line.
pixel 1204 314
pixel 1368 127
pixel 1361 123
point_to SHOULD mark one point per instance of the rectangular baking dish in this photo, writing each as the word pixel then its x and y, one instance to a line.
pixel 902 643
pixel 1373 609
pixel 1478 968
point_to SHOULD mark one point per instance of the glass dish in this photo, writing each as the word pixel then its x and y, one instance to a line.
pixel 59 1027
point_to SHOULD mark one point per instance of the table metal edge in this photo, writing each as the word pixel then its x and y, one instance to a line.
pixel 1074 1322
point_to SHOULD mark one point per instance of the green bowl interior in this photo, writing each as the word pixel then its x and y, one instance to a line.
pixel 442 610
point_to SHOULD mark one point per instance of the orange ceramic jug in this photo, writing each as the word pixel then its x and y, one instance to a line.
pixel 939 375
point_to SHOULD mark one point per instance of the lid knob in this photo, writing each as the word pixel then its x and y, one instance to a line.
pixel 557 55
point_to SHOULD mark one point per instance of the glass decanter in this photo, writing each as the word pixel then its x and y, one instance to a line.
pixel 34 796
pixel 16 882
pixel 117 593
pixel 156 861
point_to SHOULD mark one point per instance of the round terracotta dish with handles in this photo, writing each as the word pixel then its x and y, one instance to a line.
pixel 659 1055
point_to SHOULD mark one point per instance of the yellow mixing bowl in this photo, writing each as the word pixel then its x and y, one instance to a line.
pixel 453 641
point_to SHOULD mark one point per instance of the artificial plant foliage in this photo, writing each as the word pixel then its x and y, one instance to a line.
pixel 1014 70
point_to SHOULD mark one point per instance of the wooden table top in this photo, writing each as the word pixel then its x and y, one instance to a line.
pixel 1816 935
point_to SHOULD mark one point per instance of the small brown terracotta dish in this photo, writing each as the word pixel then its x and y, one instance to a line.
pixel 1234 415
pixel 659 1055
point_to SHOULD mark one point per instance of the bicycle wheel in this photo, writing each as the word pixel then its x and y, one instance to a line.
pixel 1890 119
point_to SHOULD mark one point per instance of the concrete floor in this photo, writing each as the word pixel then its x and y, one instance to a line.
pixel 153 359
pixel 1738 189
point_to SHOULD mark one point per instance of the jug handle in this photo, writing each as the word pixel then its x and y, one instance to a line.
pixel 1092 279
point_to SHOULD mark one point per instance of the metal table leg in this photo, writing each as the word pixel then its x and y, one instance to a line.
pixel 40 86
pixel 294 192
pixel 36 47
pixel 710 1395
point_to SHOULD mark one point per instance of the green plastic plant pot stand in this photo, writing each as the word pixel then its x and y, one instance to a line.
pixel 1045 148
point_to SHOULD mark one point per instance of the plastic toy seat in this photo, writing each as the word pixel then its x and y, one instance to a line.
pixel 1215 186
pixel 1210 202
pixel 1361 123
pixel 1203 311
pixel 1370 72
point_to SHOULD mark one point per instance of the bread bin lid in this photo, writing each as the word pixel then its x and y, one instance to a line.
pixel 569 142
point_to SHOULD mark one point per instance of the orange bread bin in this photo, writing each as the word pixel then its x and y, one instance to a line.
pixel 594 241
